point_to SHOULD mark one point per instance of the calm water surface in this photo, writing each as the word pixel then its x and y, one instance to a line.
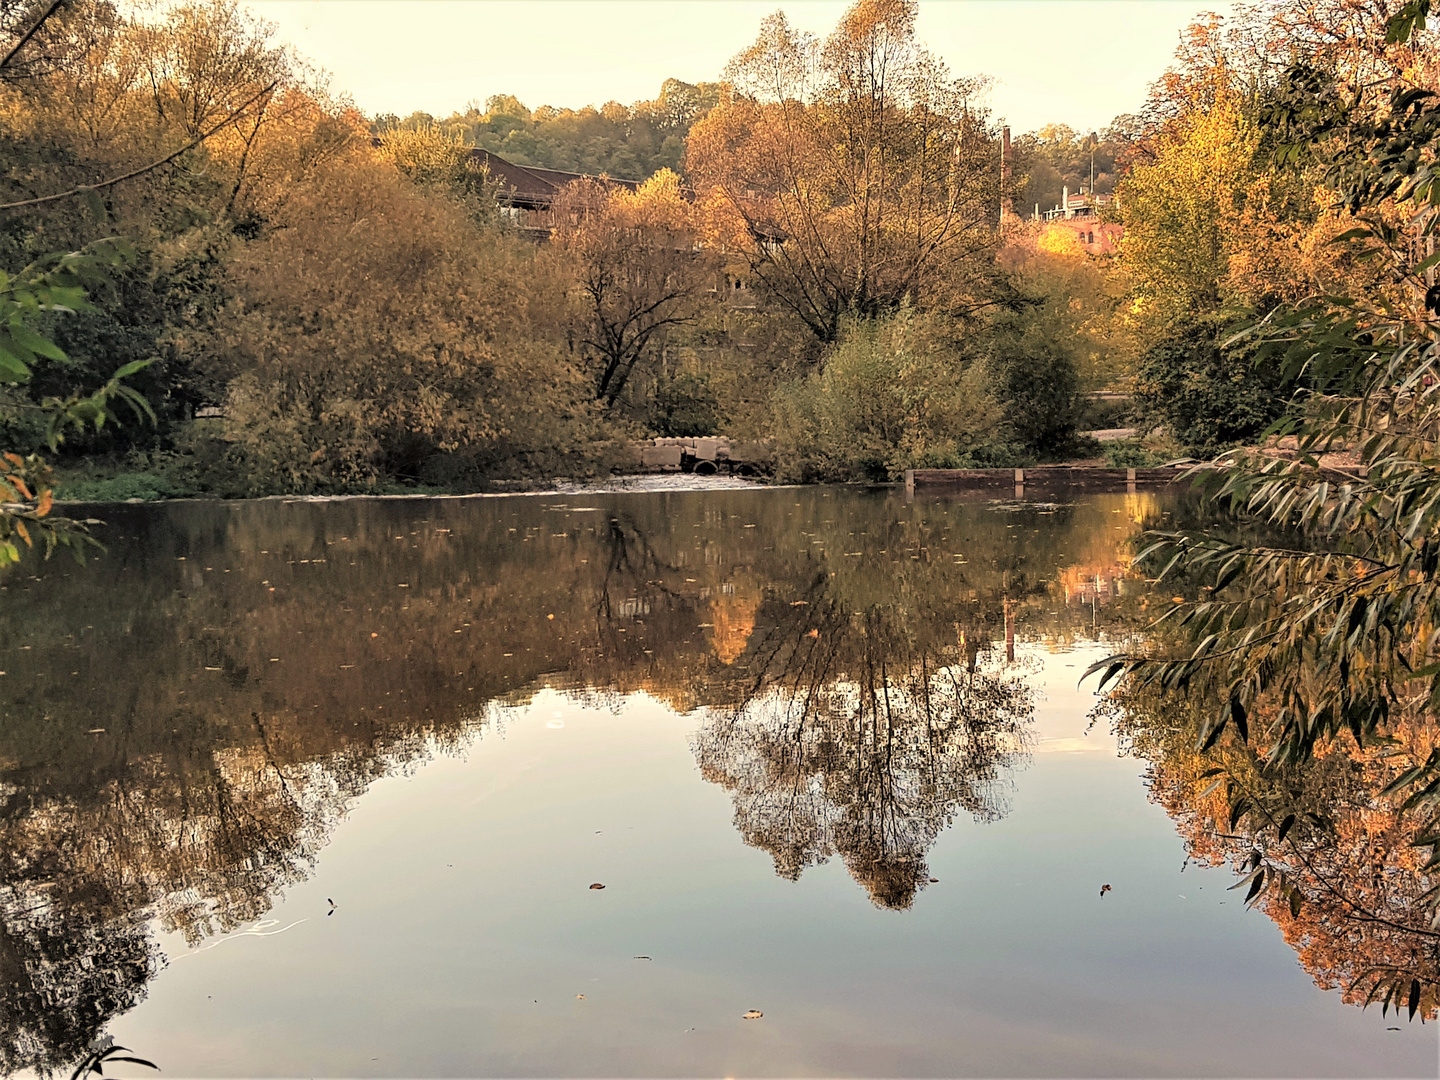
pixel 297 788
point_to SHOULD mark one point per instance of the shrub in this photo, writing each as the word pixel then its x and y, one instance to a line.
pixel 891 396
pixel 121 488
pixel 1041 391
pixel 1209 398
pixel 1101 414
pixel 1129 454
pixel 380 333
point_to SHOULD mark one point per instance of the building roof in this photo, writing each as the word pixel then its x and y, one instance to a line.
pixel 525 185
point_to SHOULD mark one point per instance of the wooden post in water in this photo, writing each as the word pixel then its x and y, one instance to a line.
pixel 1009 609
pixel 1019 483
pixel 1129 481
pixel 909 484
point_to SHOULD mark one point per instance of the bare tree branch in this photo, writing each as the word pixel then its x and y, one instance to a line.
pixel 25 37
pixel 81 189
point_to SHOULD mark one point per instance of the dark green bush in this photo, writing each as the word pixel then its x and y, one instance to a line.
pixel 1101 414
pixel 1129 454
pixel 1041 392
pixel 1209 398
pixel 1033 352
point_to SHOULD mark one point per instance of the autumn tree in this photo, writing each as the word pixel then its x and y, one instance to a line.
pixel 1324 632
pixel 850 173
pixel 380 333
pixel 636 273
pixel 1217 227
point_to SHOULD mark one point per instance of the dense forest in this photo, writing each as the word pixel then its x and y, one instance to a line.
pixel 197 190
pixel 629 142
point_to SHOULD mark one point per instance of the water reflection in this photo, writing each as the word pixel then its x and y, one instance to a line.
pixel 1323 848
pixel 1342 876
pixel 860 738
pixel 186 721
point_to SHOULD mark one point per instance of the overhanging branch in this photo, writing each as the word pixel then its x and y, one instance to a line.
pixel 82 188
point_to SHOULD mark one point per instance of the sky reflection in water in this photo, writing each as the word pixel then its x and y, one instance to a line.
pixel 764 720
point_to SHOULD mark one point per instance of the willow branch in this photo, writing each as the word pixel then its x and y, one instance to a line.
pixel 25 38
pixel 82 188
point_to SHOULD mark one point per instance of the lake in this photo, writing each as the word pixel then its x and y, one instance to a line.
pixel 327 789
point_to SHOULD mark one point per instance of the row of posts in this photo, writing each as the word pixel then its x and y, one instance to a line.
pixel 1019 482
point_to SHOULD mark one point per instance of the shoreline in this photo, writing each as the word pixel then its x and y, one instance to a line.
pixel 1078 479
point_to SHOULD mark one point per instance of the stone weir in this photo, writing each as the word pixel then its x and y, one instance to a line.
pixel 1043 480
pixel 702 456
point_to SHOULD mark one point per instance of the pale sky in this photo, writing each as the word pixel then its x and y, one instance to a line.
pixel 1078 62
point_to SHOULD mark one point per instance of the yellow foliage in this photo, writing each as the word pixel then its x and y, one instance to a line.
pixel 378 331
pixel 1181 212
pixel 1059 241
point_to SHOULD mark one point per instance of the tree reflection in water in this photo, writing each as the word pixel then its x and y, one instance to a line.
pixel 1322 851
pixel 252 669
pixel 863 742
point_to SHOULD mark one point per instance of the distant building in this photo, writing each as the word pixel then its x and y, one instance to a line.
pixel 527 193
pixel 1081 215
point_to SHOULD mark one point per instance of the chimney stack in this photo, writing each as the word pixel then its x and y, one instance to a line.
pixel 1007 208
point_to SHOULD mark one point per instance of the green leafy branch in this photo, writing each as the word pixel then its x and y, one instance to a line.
pixel 55 285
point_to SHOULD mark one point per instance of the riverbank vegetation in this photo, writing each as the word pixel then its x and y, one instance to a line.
pixel 1304 669
pixel 328 302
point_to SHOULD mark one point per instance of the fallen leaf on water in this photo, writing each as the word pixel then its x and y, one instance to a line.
pixel 579 997
pixel 934 881
pixel 640 958
pixel 753 1014
pixel 597 885
pixel 1103 890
